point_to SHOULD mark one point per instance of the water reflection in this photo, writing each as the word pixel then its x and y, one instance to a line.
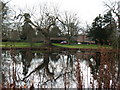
pixel 60 69
pixel 27 57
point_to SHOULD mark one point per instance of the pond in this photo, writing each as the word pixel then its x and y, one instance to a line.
pixel 60 69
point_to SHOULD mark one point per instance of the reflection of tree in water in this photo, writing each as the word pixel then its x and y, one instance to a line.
pixel 53 67
pixel 70 58
pixel 47 56
pixel 49 70
pixel 69 69
pixel 92 58
pixel 9 65
pixel 106 76
pixel 104 68
pixel 94 63
pixel 27 57
pixel 54 56
pixel 118 74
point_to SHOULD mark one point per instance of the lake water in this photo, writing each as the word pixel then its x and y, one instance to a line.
pixel 60 69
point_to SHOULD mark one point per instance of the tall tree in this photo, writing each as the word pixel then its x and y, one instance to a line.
pixel 70 25
pixel 28 32
pixel 115 8
pixel 102 28
pixel 49 20
pixel 46 29
pixel 95 30
pixel 43 27
pixel 46 20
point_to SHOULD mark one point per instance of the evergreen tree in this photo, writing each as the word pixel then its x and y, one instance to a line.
pixel 102 28
pixel 27 31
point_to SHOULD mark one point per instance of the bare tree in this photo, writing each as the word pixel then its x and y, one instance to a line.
pixel 46 19
pixel 114 7
pixel 70 25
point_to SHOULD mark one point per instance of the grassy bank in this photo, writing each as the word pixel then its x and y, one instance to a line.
pixel 82 46
pixel 18 44
pixel 27 45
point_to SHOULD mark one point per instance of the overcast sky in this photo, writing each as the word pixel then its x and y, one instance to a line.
pixel 87 10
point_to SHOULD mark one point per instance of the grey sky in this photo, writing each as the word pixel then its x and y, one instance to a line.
pixel 87 10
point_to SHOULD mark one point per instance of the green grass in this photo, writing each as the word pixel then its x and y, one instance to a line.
pixel 82 46
pixel 26 45
pixel 19 44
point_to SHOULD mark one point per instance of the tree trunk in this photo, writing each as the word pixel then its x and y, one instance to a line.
pixel 119 22
pixel 47 41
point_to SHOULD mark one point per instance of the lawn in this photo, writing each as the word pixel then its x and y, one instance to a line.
pixel 18 44
pixel 27 45
pixel 82 46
